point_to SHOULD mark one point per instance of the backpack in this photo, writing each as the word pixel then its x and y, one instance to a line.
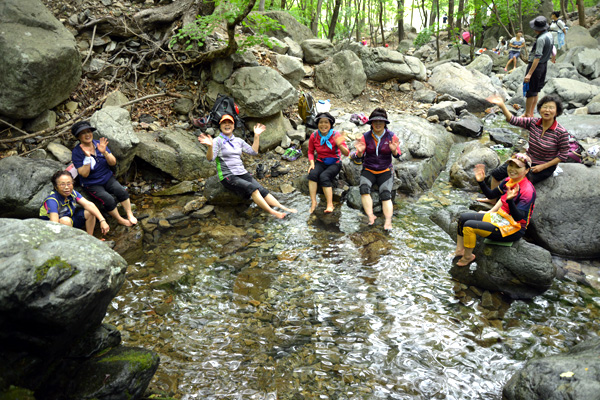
pixel 576 151
pixel 307 110
pixel 225 105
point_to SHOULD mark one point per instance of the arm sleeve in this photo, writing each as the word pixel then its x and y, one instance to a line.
pixel 78 195
pixel 539 47
pixel 517 211
pixel 490 193
pixel 521 122
pixel 311 147
pixel 217 143
pixel 51 205
pixel 77 157
pixel 563 146
pixel 246 148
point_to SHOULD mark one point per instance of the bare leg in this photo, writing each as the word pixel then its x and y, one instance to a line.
pixel 66 221
pixel 508 63
pixel 122 221
pixel 90 222
pixel 127 207
pixel 367 203
pixel 312 191
pixel 388 212
pixel 467 258
pixel 530 103
pixel 328 198
pixel 272 201
pixel 460 246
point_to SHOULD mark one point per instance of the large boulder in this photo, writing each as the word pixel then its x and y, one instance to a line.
pixel 114 123
pixel 587 63
pixel 572 92
pixel 567 212
pixel 483 64
pixel 461 172
pixel 291 27
pixel 24 184
pixel 342 75
pixel 467 125
pixel 261 91
pixel 382 64
pixel 567 375
pixel 291 68
pixel 580 36
pixel 522 271
pixel 514 80
pixel 40 64
pixel 277 126
pixel 216 194
pixel 425 148
pixel 468 85
pixel 316 50
pixel 581 126
pixel 50 294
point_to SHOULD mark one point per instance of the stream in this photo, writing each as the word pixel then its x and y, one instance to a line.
pixel 243 306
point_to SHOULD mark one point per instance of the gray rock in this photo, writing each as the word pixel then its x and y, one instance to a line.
pixel 587 63
pixel 115 99
pixel 353 199
pixel 40 62
pixel 183 106
pixel 298 134
pixel 542 378
pixel 294 50
pixel 291 27
pixel 221 69
pixel 461 172
pixel 316 50
pixel 46 120
pixel 261 91
pixel 580 36
pixel 483 64
pixel 216 194
pixel 62 153
pixel 594 108
pixel 44 283
pixel 571 91
pixel 467 125
pixel 277 127
pixel 114 124
pixel 245 59
pixel 444 110
pixel 382 64
pixel 341 75
pixel 24 184
pixel 468 85
pixel 522 271
pixel 277 46
pixel 567 211
pixel 424 96
pixel 291 68
pixel 350 172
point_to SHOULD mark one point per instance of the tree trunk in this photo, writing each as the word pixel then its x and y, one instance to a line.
pixel 563 9
pixel 283 5
pixel 400 20
pixel 434 13
pixel 450 16
pixel 381 22
pixel 461 10
pixel 315 22
pixel 581 11
pixel 437 31
pixel 334 17
pixel 261 5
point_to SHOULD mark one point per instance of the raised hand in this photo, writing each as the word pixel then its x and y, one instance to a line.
pixel 512 192
pixel 479 171
pixel 259 128
pixel 360 147
pixel 102 145
pixel 394 144
pixel 205 139
pixel 340 139
pixel 495 99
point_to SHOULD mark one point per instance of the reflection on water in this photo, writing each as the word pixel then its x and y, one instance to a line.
pixel 328 308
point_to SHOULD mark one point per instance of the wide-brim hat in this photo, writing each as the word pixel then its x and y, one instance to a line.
pixel 81 126
pixel 325 115
pixel 521 159
pixel 539 23
pixel 377 118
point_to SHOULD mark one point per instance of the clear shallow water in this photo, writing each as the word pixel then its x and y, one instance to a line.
pixel 328 308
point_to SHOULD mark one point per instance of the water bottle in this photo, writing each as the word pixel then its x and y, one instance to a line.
pixel 525 88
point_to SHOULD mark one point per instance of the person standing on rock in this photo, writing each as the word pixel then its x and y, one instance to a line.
pixel 328 145
pixel 535 74
pixel 93 160
pixel 558 29
pixel 514 49
pixel 61 206
pixel 376 149
pixel 507 221
pixel 548 140
pixel 227 150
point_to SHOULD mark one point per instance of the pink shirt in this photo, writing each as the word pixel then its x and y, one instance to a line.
pixel 314 144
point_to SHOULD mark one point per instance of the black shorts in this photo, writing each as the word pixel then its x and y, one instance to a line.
pixel 243 185
pixel 538 79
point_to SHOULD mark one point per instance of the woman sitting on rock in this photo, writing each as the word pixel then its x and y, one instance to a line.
pixel 376 148
pixel 507 221
pixel 230 169
pixel 328 145
pixel 61 206
pixel 93 160
pixel 548 140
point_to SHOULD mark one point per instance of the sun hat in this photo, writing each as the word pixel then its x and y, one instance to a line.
pixel 325 115
pixel 227 117
pixel 378 114
pixel 539 23
pixel 81 126
pixel 521 159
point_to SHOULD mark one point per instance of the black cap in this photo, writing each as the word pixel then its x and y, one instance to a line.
pixel 539 24
pixel 378 114
pixel 325 115
pixel 80 126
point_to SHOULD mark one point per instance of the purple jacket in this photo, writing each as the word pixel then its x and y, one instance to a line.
pixel 378 160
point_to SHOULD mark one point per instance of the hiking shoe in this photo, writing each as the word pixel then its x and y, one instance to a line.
pixel 260 171
pixel 277 169
pixel 286 154
pixel 294 154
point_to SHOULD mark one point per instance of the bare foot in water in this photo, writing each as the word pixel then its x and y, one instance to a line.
pixel 372 219
pixel 279 215
pixel 132 219
pixel 312 207
pixel 125 222
pixel 387 225
pixel 463 262
pixel 290 210
pixel 329 209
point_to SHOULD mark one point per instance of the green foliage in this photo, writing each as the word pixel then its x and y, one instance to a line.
pixel 423 37
pixel 195 34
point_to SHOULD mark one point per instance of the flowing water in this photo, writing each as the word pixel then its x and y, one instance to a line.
pixel 314 307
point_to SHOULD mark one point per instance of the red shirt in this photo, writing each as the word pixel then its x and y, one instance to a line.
pixel 314 144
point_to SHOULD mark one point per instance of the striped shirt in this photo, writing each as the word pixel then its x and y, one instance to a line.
pixel 229 156
pixel 542 149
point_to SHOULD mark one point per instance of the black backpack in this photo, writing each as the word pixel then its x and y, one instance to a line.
pixel 225 105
